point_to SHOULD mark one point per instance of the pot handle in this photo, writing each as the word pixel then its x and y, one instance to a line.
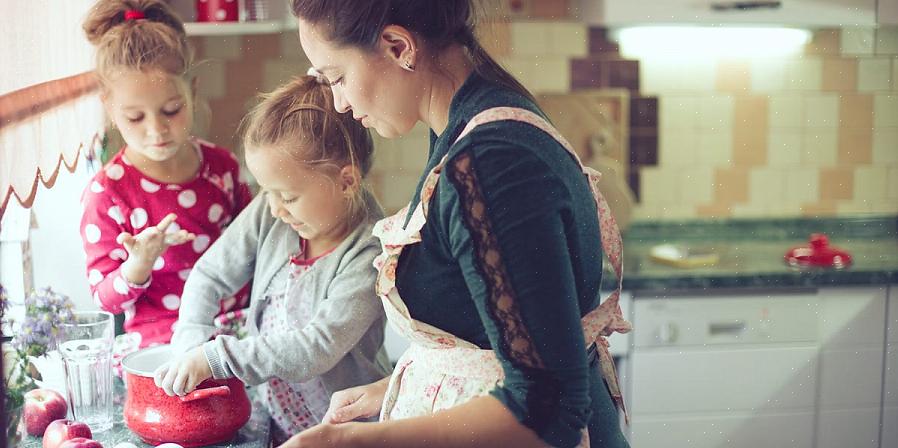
pixel 199 394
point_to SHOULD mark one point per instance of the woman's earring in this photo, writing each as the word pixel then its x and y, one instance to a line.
pixel 408 66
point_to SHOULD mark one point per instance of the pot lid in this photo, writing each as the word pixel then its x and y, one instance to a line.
pixel 818 253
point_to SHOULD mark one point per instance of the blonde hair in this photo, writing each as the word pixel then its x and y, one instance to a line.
pixel 157 41
pixel 299 119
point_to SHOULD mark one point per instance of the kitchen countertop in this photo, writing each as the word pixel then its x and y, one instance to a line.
pixel 254 434
pixel 751 253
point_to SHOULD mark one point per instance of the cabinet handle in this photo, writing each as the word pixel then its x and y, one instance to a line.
pixel 723 328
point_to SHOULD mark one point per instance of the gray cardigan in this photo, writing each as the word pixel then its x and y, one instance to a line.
pixel 343 342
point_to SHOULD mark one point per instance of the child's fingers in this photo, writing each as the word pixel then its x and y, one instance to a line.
pixel 163 225
pixel 344 407
pixel 180 237
pixel 159 374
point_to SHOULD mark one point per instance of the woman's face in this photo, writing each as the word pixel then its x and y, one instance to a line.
pixel 369 84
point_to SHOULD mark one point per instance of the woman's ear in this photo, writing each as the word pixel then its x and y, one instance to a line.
pixel 400 45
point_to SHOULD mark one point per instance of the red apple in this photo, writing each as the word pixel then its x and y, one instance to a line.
pixel 81 442
pixel 42 406
pixel 61 430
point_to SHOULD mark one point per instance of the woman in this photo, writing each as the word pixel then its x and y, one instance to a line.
pixel 493 271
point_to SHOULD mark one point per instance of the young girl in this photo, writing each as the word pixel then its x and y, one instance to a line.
pixel 164 188
pixel 315 322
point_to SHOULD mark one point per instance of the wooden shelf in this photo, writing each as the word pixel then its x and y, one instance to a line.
pixel 234 28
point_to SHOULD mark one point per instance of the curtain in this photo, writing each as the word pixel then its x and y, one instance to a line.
pixel 50 111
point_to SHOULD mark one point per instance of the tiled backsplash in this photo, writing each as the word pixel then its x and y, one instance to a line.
pixel 815 134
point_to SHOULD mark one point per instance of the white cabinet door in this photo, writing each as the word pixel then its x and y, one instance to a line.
pixel 791 12
pixel 735 430
pixel 852 328
pixel 890 394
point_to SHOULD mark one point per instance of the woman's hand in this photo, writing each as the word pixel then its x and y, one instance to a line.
pixel 181 375
pixel 325 435
pixel 356 402
pixel 145 247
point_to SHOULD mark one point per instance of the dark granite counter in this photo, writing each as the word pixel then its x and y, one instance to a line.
pixel 255 434
pixel 751 253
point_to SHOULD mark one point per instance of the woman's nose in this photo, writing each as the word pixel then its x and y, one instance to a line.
pixel 340 103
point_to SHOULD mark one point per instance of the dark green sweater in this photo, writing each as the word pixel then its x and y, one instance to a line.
pixel 511 259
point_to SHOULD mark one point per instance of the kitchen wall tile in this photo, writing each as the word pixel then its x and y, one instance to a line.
pixel 750 210
pixel 397 190
pixel 677 211
pixel 530 38
pixel 671 75
pixel 784 147
pixel 678 112
pixel 855 146
pixel 569 39
pixel 819 147
pixel 643 111
pixel 839 75
pixel 678 148
pixel 495 37
pixel 765 184
pixel 522 67
pixel 750 131
pixel 290 47
pixel 886 40
pixel 885 145
pixel 550 74
pixel 598 41
pixel 853 208
pixel 856 111
pixel 643 147
pixel 894 74
pixel 892 183
pixel 278 71
pixel 874 74
pixel 696 186
pixel 804 74
pixel 824 42
pixel 731 185
pixel 818 209
pixel 821 110
pixel 887 207
pixel 802 185
pixel 222 47
pixel 554 9
pixel 715 148
pixel 885 111
pixel 733 76
pixel 211 79
pixel 715 210
pixel 785 110
pixel 857 40
pixel 262 46
pixel 658 186
pixel 715 112
pixel 634 182
pixel 768 75
pixel 623 73
pixel 645 212
pixel 870 183
pixel 836 184
pixel 586 73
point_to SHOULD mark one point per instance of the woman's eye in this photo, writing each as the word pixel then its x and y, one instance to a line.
pixel 338 81
pixel 288 200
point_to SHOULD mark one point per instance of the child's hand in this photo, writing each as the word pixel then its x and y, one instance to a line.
pixel 356 402
pixel 144 248
pixel 181 375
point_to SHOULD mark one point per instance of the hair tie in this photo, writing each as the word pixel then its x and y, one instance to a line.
pixel 319 77
pixel 132 14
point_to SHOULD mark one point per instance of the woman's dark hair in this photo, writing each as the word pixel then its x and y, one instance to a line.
pixel 439 22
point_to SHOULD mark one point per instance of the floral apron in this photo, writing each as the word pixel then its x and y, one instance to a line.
pixel 441 370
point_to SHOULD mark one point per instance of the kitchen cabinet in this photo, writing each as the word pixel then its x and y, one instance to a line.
pixel 815 13
pixel 890 384
pixel 887 12
pixel 780 369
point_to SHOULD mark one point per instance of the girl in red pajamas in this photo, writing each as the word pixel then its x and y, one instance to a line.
pixel 166 196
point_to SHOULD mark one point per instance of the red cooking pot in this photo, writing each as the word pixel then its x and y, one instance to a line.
pixel 211 414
